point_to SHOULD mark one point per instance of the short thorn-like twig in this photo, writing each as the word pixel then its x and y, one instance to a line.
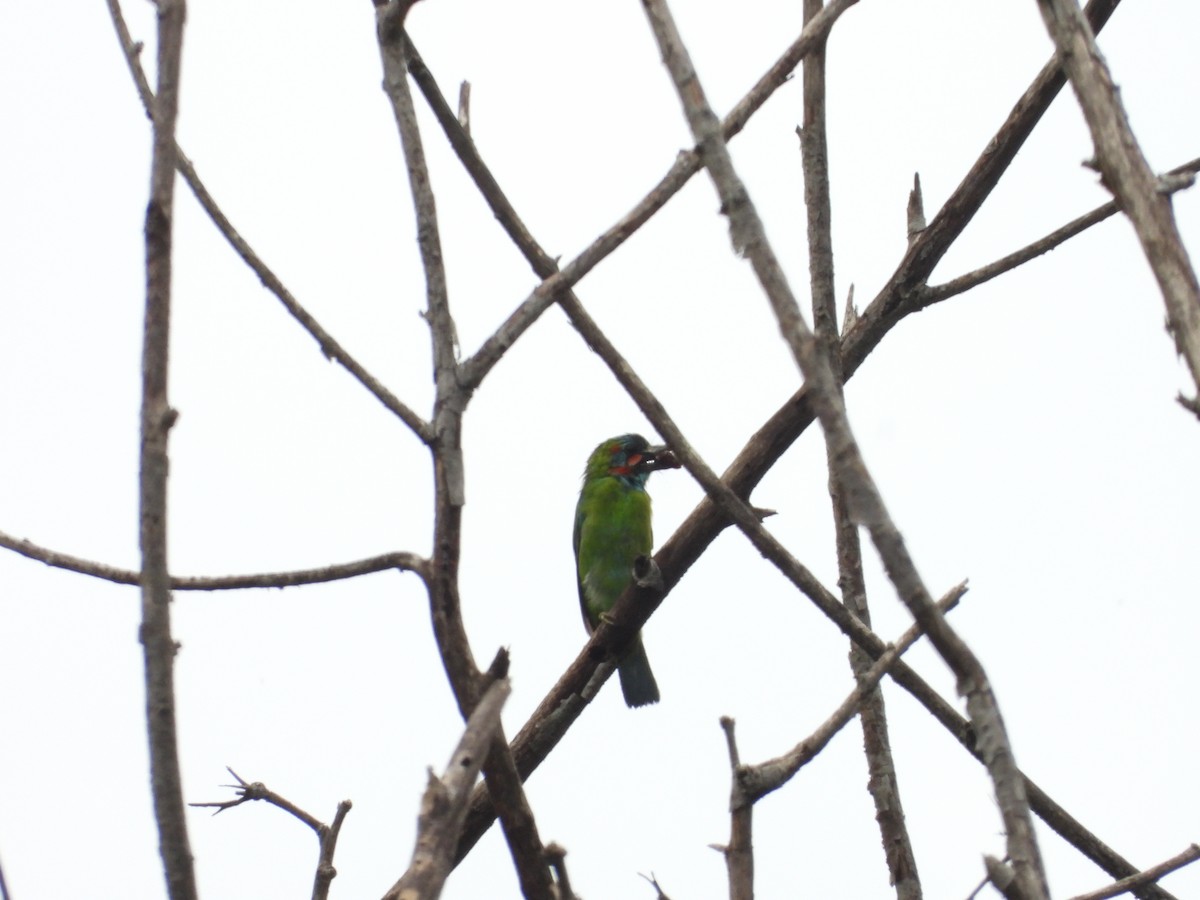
pixel 327 835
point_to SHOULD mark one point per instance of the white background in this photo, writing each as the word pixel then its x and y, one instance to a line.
pixel 1025 436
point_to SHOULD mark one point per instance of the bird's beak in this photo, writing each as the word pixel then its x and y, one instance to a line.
pixel 659 456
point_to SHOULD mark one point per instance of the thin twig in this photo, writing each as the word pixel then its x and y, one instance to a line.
pixel 1170 183
pixel 404 562
pixel 327 835
pixel 1133 882
pixel 330 347
pixel 661 894
pixel 1127 175
pixel 156 420
pixel 328 843
pixel 866 505
pixel 758 780
pixel 445 802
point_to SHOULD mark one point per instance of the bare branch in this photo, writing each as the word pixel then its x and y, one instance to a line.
pixel 328 842
pixel 1133 882
pixel 445 802
pixel 157 418
pixel 500 771
pixel 327 835
pixel 329 346
pixel 757 781
pixel 739 852
pixel 404 562
pixel 863 498
pixel 930 295
pixel 448 476
pixel 1127 174
pixel 882 783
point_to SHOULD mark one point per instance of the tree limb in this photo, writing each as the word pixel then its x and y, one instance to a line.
pixel 1133 882
pixel 1127 175
pixel 327 835
pixel 156 420
pixel 882 781
pixel 445 803
pixel 404 562
pixel 500 771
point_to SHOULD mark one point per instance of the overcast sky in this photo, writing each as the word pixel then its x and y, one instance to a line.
pixel 1024 435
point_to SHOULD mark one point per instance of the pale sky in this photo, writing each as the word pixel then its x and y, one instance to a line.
pixel 1024 435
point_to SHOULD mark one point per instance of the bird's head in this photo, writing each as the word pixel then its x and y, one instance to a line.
pixel 629 457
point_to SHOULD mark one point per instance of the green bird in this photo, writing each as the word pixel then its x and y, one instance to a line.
pixel 612 529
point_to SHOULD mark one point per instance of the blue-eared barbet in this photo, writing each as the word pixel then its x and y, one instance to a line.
pixel 612 529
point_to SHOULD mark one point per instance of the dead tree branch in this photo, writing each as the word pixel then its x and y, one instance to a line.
pixel 882 782
pixel 1176 180
pixel 1133 882
pixel 739 852
pixel 156 421
pixel 445 802
pixel 403 562
pixel 452 396
pixel 327 835
pixel 1127 175
pixel 756 781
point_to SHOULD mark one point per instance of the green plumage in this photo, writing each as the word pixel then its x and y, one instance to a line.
pixel 612 529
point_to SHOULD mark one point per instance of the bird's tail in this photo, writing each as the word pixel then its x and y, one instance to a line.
pixel 637 681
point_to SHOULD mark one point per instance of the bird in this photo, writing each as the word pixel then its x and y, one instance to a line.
pixel 612 530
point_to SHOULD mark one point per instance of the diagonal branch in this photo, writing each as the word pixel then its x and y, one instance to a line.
pixel 1178 179
pixel 863 498
pixel 1133 882
pixel 1126 173
pixel 157 417
pixel 445 802
pixel 328 344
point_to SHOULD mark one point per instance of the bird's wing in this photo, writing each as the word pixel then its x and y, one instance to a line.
pixel 580 515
